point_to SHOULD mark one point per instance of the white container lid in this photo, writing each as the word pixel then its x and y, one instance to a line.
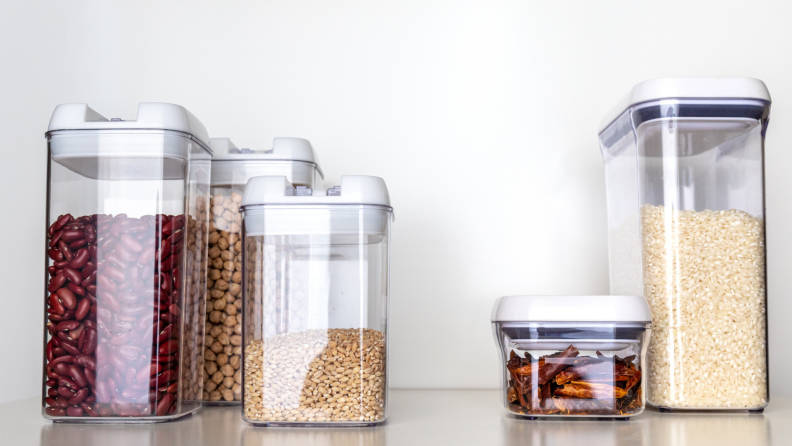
pixel 354 189
pixel 571 309
pixel 688 88
pixel 150 116
pixel 283 149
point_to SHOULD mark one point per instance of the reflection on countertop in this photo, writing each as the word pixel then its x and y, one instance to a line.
pixel 417 417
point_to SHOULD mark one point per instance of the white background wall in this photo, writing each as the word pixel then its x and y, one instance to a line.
pixel 481 116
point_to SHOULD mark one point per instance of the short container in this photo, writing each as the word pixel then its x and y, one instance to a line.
pixel 127 206
pixel 231 169
pixel 572 356
pixel 684 165
pixel 315 300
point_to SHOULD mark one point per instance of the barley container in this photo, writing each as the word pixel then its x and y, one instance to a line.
pixel 231 169
pixel 684 166
pixel 127 217
pixel 572 356
pixel 315 302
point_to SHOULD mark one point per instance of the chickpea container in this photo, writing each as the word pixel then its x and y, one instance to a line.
pixel 684 169
pixel 315 299
pixel 127 218
pixel 231 169
pixel 572 356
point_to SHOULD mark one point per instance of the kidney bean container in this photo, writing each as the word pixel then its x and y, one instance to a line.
pixel 315 300
pixel 684 165
pixel 572 356
pixel 231 169
pixel 127 217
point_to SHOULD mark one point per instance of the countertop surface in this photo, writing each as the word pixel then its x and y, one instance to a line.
pixel 417 417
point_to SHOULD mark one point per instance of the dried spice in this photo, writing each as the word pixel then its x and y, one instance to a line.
pixel 565 383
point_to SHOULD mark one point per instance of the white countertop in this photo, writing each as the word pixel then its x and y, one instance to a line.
pixel 417 417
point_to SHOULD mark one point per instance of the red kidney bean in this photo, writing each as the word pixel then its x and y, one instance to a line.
pixel 78 376
pixel 62 402
pixel 55 239
pixel 58 352
pixel 164 404
pixel 70 348
pixel 67 382
pixel 56 305
pixel 78 244
pixel 65 358
pixel 72 235
pixel 60 265
pixel 81 258
pixel 102 392
pixel 129 377
pixel 55 254
pixel 55 412
pixel 88 269
pixel 114 273
pixel 90 280
pixel 164 251
pixel 65 392
pixel 79 396
pixel 53 375
pixel 90 376
pixel 168 263
pixel 81 338
pixel 52 393
pixel 89 410
pixel 91 339
pixel 74 411
pixel 176 237
pixel 175 296
pixel 76 289
pixel 72 275
pixel 67 325
pixel 105 411
pixel 108 299
pixel 94 252
pixel 175 310
pixel 64 248
pixel 90 233
pixel 69 314
pixel 86 361
pixel 67 297
pixel 91 289
pixel 59 223
pixel 147 256
pixel 128 352
pixel 51 382
pixel 82 309
pixel 171 227
pixel 56 282
pixel 166 334
pixel 120 339
pixel 52 270
pixel 103 282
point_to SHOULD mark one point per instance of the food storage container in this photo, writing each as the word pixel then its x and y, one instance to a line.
pixel 127 206
pixel 315 300
pixel 572 356
pixel 231 169
pixel 685 182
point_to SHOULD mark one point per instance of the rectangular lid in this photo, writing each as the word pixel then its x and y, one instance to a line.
pixel 354 189
pixel 283 149
pixel 150 116
pixel 571 309
pixel 688 88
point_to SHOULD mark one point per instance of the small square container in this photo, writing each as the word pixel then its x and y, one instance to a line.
pixel 572 356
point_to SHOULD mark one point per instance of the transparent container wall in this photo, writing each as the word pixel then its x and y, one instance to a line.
pixel 223 355
pixel 572 369
pixel 127 218
pixel 316 316
pixel 686 230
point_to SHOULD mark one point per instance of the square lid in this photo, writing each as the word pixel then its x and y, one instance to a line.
pixel 354 189
pixel 150 116
pixel 571 309
pixel 688 88
pixel 283 149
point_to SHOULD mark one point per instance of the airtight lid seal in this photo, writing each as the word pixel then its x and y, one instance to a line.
pixel 150 116
pixel 571 309
pixel 688 88
pixel 354 189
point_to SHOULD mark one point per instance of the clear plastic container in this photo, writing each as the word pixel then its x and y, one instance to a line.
pixel 315 300
pixel 572 356
pixel 231 169
pixel 127 206
pixel 685 180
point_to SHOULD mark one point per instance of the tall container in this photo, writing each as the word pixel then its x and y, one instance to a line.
pixel 231 169
pixel 127 217
pixel 684 162
pixel 316 285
